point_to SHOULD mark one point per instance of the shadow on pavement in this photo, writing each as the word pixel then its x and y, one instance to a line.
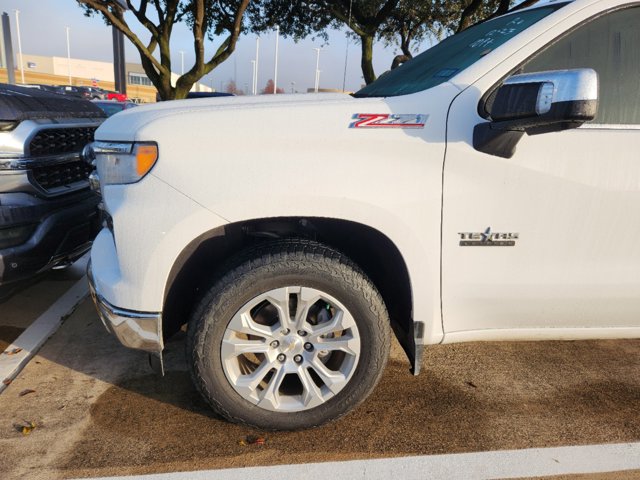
pixel 472 397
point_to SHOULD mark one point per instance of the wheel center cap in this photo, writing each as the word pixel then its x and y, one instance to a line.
pixel 291 344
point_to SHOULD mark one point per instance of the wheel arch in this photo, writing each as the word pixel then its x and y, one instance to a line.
pixel 375 253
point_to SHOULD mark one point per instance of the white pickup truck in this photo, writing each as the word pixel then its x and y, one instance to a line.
pixel 489 189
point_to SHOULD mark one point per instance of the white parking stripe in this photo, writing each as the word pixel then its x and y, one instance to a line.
pixel 27 344
pixel 464 466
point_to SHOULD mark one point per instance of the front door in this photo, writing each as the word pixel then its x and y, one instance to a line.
pixel 551 237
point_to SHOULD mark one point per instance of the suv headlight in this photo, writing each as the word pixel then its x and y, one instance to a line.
pixel 121 163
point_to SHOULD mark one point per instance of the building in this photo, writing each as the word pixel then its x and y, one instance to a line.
pixel 58 71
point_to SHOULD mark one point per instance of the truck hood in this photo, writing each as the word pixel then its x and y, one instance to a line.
pixel 125 125
pixel 19 103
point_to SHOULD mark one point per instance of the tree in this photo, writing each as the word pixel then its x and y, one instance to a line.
pixel 369 20
pixel 414 20
pixel 205 18
pixel 268 89
pixel 302 18
pixel 232 88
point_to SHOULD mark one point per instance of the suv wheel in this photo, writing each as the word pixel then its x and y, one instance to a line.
pixel 294 335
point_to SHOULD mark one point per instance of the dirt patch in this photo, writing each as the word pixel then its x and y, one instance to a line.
pixel 100 411
pixel 8 335
pixel 473 397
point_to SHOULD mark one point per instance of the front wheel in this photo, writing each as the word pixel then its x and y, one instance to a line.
pixel 294 335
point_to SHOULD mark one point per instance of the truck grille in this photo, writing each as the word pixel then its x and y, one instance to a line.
pixel 61 174
pixel 55 141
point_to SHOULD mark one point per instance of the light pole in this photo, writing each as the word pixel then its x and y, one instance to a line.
pixel 255 78
pixel 68 56
pixel 317 49
pixel 182 61
pixel 275 73
pixel 19 45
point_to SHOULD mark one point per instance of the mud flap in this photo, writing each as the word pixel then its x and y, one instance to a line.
pixel 411 343
pixel 156 363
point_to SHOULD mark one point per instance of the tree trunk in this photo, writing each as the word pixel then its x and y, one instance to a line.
pixel 367 58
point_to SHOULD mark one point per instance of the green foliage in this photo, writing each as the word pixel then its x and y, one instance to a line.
pixel 392 21
pixel 205 18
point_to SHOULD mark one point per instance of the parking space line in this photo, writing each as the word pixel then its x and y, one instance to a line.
pixel 30 341
pixel 532 462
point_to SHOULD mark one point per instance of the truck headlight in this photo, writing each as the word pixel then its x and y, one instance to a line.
pixel 121 163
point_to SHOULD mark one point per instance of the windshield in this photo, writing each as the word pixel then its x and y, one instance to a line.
pixel 443 61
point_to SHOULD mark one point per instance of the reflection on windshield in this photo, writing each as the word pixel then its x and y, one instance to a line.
pixel 438 64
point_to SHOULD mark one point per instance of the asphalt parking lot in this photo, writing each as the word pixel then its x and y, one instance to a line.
pixel 98 409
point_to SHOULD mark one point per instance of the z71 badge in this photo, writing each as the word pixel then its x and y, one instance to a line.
pixel 388 120
pixel 488 239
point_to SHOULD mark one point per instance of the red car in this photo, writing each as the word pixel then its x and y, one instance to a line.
pixel 120 97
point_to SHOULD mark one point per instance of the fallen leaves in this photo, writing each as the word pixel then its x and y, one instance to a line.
pixel 26 391
pixel 26 427
pixel 7 381
pixel 13 351
pixel 252 440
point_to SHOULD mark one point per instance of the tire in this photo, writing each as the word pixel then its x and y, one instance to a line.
pixel 293 371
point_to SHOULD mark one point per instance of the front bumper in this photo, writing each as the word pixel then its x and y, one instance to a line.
pixel 64 229
pixel 139 330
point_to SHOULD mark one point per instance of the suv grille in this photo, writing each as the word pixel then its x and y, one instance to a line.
pixel 56 141
pixel 61 174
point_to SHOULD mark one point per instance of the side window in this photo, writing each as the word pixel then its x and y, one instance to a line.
pixel 611 46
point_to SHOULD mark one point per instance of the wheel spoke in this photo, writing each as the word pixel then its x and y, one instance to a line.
pixel 243 323
pixel 340 321
pixel 306 299
pixel 311 395
pixel 280 299
pixel 345 343
pixel 270 398
pixel 233 346
pixel 333 380
pixel 247 384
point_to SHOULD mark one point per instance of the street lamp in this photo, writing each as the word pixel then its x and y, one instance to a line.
pixel 275 73
pixel 19 45
pixel 255 78
pixel 68 56
pixel 317 49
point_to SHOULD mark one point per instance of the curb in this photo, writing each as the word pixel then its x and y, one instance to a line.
pixel 30 341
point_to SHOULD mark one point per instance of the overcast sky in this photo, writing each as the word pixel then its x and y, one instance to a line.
pixel 43 22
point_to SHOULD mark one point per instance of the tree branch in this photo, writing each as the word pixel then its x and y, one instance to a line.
pixel 115 17
pixel 141 15
pixel 467 14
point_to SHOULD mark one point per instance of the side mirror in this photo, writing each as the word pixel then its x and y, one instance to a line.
pixel 536 103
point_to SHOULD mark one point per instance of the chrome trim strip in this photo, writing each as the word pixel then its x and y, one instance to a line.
pixel 101 147
pixel 569 85
pixel 139 330
pixel 25 163
pixel 608 126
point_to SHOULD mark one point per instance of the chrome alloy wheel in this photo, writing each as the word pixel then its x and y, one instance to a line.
pixel 290 349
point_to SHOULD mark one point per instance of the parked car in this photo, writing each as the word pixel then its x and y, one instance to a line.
pixel 111 107
pixel 71 90
pixel 117 96
pixel 487 189
pixel 48 213
pixel 92 93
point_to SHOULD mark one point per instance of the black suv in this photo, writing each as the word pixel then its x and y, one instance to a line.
pixel 48 214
